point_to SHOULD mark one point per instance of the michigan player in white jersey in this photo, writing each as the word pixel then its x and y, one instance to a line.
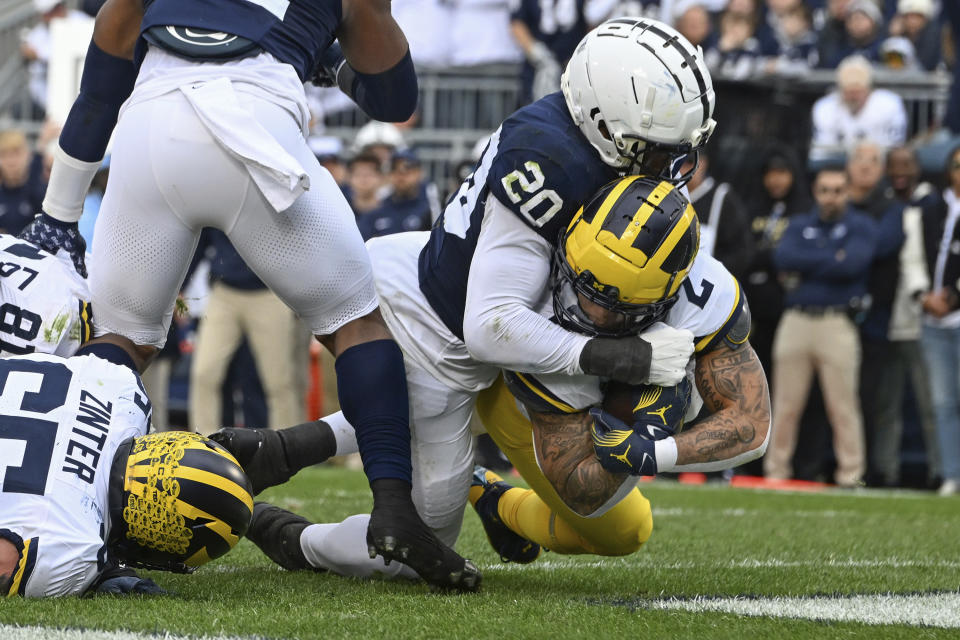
pixel 86 494
pixel 626 263
pixel 211 133
pixel 44 302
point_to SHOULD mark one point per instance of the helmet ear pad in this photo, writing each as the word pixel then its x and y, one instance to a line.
pixel 177 501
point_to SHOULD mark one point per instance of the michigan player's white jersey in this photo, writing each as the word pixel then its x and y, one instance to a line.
pixel 61 421
pixel 44 303
pixel 709 305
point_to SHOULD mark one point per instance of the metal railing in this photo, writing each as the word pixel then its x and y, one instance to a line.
pixel 460 106
pixel 15 16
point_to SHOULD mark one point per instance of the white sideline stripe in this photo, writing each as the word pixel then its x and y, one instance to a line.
pixel 932 610
pixel 14 632
pixel 650 562
pixel 685 512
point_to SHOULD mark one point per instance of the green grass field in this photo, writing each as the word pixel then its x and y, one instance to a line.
pixel 709 542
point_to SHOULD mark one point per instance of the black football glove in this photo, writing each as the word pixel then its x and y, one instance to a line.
pixel 52 235
pixel 331 60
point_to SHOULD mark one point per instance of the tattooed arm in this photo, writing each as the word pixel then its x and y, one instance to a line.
pixel 566 456
pixel 734 390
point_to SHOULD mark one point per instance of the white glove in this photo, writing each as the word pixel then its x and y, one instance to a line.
pixel 671 350
pixel 546 70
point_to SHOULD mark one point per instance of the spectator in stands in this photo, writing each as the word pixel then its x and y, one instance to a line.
pixel 425 23
pixel 941 330
pixel 22 185
pixel 833 32
pixel 413 203
pixel 783 194
pixel 547 34
pixel 365 183
pixel 897 54
pixel 241 306
pixel 868 194
pixel 823 259
pixel 856 111
pixel 35 50
pixel 863 34
pixel 329 153
pixel 797 42
pixel 723 221
pixel 695 24
pixel 380 139
pixel 923 203
pixel 951 120
pixel 480 32
pixel 915 21
pixel 736 52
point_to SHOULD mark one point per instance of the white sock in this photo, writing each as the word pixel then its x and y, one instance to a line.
pixel 344 433
pixel 342 549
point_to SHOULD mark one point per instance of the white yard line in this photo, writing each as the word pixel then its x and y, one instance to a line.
pixel 650 562
pixel 14 632
pixel 932 610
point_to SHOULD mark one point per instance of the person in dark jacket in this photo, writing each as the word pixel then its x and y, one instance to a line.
pixel 823 260
pixel 412 205
pixel 868 193
pixel 783 193
pixel 941 330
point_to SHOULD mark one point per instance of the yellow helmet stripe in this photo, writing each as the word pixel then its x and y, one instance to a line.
pixel 563 406
pixel 199 558
pixel 608 203
pixel 703 342
pixel 219 527
pixel 645 211
pixel 212 479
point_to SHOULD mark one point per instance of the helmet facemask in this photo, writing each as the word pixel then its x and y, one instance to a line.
pixel 570 313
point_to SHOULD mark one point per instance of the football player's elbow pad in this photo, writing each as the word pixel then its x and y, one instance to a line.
pixel 388 96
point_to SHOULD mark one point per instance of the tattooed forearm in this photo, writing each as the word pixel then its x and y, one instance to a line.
pixel 567 459
pixel 734 390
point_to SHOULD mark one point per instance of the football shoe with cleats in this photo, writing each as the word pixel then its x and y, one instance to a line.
pixel 277 533
pixel 396 532
pixel 509 545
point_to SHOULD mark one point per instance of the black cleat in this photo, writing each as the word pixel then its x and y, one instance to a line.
pixel 397 532
pixel 260 453
pixel 277 532
pixel 509 545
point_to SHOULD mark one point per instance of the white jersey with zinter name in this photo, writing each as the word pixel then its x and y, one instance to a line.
pixel 44 302
pixel 61 422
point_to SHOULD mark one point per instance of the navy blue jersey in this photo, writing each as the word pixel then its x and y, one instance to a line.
pixel 541 167
pixel 294 31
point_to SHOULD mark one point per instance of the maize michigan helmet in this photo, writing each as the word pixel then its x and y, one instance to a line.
pixel 177 501
pixel 628 250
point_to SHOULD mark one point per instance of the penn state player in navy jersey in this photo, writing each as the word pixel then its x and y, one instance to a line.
pixel 212 134
pixel 465 300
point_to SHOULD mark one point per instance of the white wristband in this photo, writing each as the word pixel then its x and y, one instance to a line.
pixel 69 182
pixel 665 452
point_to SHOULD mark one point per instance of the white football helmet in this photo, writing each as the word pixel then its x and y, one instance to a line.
pixel 641 94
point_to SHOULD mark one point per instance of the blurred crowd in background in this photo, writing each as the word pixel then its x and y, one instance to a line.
pixel 836 144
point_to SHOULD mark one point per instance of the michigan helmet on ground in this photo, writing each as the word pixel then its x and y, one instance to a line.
pixel 641 94
pixel 628 250
pixel 177 500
